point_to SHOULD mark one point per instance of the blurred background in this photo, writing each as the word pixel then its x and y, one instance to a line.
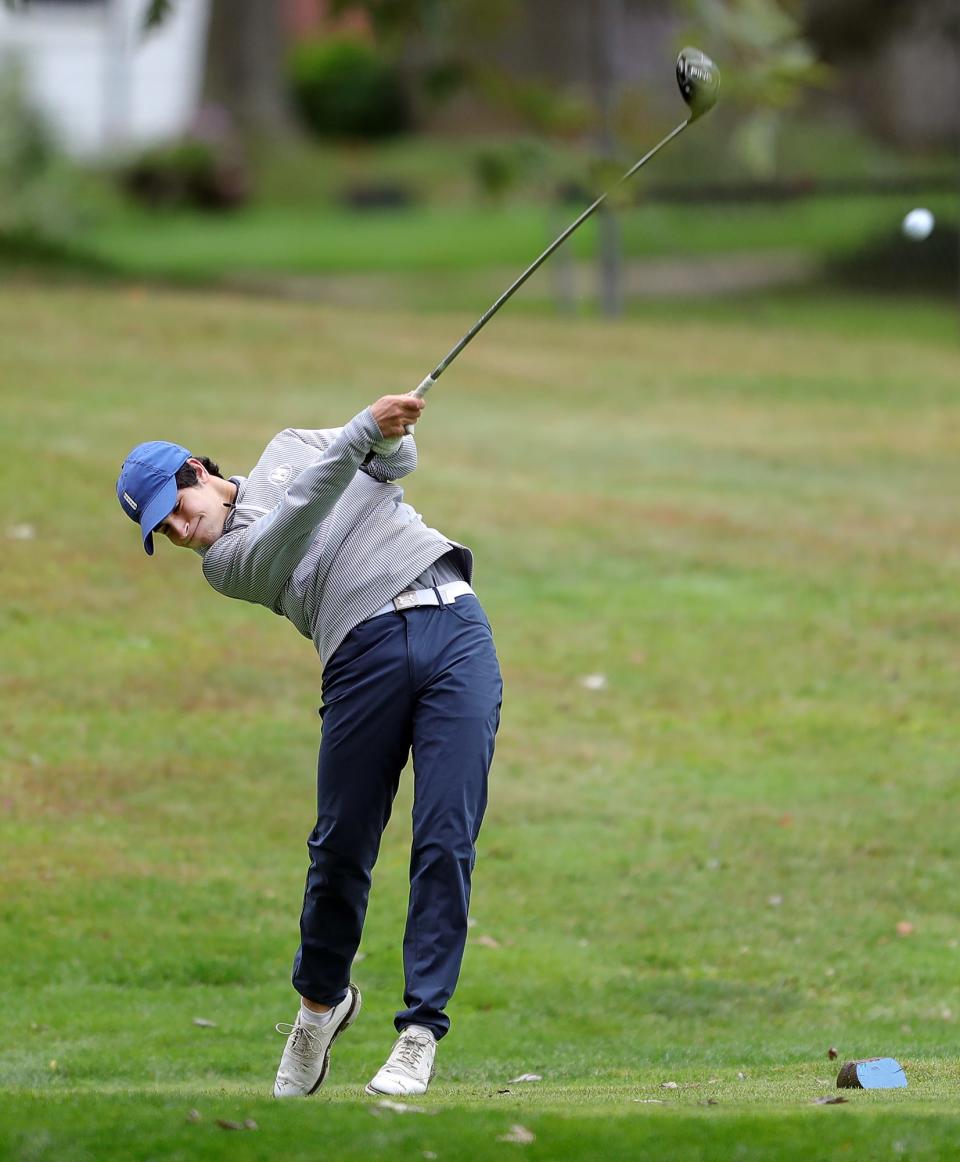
pixel 422 152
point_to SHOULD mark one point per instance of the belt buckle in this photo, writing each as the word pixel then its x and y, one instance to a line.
pixel 408 600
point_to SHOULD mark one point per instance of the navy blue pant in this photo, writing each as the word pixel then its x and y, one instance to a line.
pixel 428 679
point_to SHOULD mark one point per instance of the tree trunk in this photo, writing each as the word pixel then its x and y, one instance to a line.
pixel 608 31
pixel 244 75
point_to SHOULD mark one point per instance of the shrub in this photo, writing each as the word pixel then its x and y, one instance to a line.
pixel 343 87
pixel 37 185
pixel 187 173
pixel 893 264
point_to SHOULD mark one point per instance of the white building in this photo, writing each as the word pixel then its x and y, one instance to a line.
pixel 102 82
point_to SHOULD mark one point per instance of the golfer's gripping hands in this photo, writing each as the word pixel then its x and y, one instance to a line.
pixel 394 413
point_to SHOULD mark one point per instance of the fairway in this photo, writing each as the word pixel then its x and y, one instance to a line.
pixel 721 558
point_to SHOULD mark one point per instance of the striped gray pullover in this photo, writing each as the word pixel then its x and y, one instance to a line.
pixel 320 535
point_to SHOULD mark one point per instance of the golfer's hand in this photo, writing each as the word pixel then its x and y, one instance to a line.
pixel 395 413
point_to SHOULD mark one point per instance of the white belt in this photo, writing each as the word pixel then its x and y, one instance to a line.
pixel 413 598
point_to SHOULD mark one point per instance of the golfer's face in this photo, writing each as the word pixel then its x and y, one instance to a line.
pixel 197 518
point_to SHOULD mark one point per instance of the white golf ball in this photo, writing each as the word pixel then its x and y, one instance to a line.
pixel 918 224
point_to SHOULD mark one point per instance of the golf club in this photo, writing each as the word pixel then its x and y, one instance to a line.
pixel 699 81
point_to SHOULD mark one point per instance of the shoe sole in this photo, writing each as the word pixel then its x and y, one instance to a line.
pixel 344 1024
pixel 368 1088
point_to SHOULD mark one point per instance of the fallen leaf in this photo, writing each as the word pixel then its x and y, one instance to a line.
pixel 398 1107
pixel 832 1053
pixel 250 1124
pixel 225 1125
pixel 649 1101
pixel 487 941
pixel 525 1077
pixel 711 1101
pixel 193 1116
pixel 775 901
pixel 594 681
pixel 669 1085
pixel 21 532
pixel 519 1134
pixel 905 928
pixel 503 1091
pixel 741 1077
pixel 828 1100
pixel 53 1065
pixel 204 1023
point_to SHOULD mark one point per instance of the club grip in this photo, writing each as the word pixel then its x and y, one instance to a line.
pixel 420 391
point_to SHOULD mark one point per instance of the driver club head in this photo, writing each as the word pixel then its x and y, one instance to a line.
pixel 699 81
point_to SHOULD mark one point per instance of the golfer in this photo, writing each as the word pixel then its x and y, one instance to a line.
pixel 319 534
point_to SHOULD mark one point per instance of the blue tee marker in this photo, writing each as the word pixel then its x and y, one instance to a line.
pixel 872 1073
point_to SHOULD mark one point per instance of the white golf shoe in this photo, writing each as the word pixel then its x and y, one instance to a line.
pixel 306 1057
pixel 409 1067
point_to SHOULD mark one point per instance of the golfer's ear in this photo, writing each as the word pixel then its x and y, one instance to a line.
pixel 202 474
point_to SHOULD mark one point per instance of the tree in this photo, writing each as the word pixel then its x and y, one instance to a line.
pixel 608 28
pixel 768 66
pixel 245 65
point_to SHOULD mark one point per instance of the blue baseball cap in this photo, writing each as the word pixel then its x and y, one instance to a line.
pixel 147 486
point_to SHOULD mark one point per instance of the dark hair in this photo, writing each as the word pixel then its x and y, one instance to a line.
pixel 187 474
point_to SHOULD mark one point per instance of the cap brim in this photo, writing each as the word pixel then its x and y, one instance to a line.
pixel 157 510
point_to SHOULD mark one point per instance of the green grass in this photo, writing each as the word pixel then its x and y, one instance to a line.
pixel 443 240
pixel 746 523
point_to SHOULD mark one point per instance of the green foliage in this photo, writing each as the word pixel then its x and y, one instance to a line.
pixel 500 168
pixel 766 66
pixel 37 185
pixel 344 87
pixel 156 13
pixel 436 42
pixel 538 105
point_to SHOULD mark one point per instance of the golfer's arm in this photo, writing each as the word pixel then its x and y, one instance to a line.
pixel 255 562
pixel 382 467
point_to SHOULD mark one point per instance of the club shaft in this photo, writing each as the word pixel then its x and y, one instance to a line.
pixel 538 262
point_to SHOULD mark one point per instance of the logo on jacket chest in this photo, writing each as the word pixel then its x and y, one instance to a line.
pixel 281 474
